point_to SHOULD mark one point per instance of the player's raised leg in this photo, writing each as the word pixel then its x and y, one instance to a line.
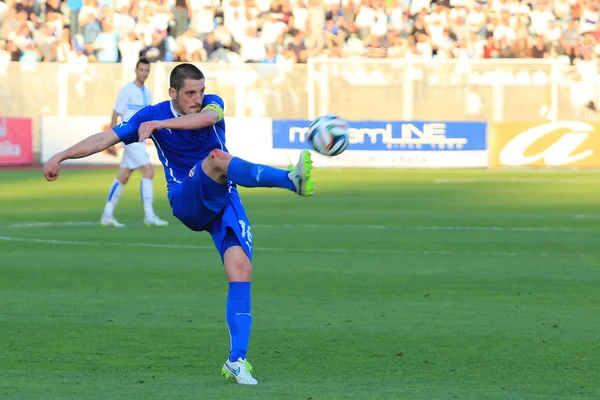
pixel 147 193
pixel 221 166
pixel 114 194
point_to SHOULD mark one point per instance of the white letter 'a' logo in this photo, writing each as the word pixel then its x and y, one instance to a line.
pixel 558 153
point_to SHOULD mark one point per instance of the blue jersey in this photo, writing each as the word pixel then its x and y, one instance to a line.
pixel 178 150
pixel 198 201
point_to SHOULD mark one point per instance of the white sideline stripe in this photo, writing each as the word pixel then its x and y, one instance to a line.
pixel 586 216
pixel 290 250
pixel 349 226
pixel 515 180
pixel 48 224
pixel 434 228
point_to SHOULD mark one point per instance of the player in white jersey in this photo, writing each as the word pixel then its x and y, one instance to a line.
pixel 133 97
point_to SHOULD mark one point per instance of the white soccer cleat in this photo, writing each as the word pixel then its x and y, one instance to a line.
pixel 111 221
pixel 155 221
pixel 239 370
pixel 300 175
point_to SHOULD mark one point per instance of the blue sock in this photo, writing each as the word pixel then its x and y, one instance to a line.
pixel 239 319
pixel 247 174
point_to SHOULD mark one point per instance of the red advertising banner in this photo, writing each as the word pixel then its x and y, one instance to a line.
pixel 15 141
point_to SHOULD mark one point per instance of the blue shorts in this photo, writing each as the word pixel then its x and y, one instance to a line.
pixel 202 204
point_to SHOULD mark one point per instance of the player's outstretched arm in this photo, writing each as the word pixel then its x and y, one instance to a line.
pixel 88 146
pixel 209 116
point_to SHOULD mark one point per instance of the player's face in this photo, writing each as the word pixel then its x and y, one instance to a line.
pixel 141 72
pixel 189 98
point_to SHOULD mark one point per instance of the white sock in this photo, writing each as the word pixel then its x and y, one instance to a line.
pixel 114 193
pixel 147 192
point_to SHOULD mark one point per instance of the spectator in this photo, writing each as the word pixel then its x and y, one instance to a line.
pixel 491 49
pixel 123 21
pixel 130 47
pixel 190 47
pixel 521 48
pixel 211 45
pixel 45 42
pixel 540 50
pixel 106 44
pixel 252 48
pixel 242 30
pixel 315 31
pixel 13 51
pixel 334 36
pixel 182 14
pixel 296 46
pixel 9 22
pixel 271 56
pixel 74 7
pixel 64 45
pixel 157 50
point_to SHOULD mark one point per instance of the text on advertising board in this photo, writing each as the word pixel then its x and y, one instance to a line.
pixel 15 141
pixel 565 144
pixel 391 135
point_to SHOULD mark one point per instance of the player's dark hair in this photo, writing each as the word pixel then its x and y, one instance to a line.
pixel 142 61
pixel 182 72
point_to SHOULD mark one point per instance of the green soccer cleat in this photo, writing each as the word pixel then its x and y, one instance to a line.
pixel 300 175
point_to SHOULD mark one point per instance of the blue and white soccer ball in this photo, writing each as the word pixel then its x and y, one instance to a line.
pixel 328 135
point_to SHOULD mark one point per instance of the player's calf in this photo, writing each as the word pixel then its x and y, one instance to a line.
pixel 248 174
pixel 221 166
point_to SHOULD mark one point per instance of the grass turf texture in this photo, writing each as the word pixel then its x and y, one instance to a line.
pixel 365 291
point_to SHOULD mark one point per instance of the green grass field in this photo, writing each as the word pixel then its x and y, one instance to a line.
pixel 384 285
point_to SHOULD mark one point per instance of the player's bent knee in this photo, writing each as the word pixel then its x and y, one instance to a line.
pixel 216 164
pixel 237 265
pixel 124 175
pixel 220 160
pixel 219 155
pixel 147 171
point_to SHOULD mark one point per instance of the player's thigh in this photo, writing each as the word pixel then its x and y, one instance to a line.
pixel 232 228
pixel 135 155
pixel 198 200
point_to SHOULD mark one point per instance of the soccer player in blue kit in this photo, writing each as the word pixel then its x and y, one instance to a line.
pixel 202 179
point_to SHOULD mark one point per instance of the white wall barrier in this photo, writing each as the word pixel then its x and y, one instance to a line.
pixel 246 137
pixel 59 133
pixel 374 144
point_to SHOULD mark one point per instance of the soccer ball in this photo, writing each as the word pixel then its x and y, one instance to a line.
pixel 328 135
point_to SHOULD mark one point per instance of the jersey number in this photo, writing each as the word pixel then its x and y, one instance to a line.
pixel 246 233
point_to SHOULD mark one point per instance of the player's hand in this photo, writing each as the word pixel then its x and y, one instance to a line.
pixel 52 167
pixel 146 129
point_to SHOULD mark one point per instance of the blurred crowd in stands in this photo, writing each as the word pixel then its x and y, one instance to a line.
pixel 273 31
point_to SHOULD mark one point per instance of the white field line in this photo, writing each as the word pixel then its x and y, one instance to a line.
pixel 47 224
pixel 286 250
pixel 516 180
pixel 349 226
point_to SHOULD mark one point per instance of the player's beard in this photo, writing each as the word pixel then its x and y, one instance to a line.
pixel 195 109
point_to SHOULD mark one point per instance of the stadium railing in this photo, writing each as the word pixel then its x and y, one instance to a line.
pixel 356 89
